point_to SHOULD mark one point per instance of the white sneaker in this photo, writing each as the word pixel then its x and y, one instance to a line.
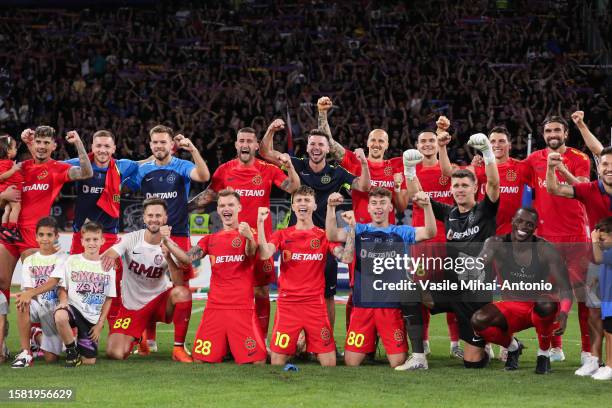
pixel 557 354
pixel 584 356
pixel 604 373
pixel 589 367
pixel 152 346
pixel 417 361
pixel 503 353
pixel 426 348
pixel 489 351
pixel 456 351
pixel 23 359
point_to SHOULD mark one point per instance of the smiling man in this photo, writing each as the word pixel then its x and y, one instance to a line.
pixel 521 257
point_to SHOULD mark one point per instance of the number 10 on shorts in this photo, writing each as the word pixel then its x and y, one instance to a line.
pixel 281 340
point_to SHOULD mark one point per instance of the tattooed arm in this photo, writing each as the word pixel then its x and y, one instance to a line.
pixel 347 252
pixel 83 171
pixel 324 104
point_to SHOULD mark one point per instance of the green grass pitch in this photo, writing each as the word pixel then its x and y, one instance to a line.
pixel 156 381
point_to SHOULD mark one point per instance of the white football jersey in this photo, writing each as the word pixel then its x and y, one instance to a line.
pixel 145 270
pixel 35 272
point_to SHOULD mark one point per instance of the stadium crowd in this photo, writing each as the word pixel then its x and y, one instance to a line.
pixel 441 100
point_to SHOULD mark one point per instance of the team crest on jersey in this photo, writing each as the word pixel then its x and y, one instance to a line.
pixel 511 175
pixel 398 335
pixel 158 260
pixel 267 266
pixel 257 180
pixel 443 180
pixel 326 179
pixel 236 242
pixel 325 334
pixel 171 178
pixel 315 243
pixel 471 218
pixel 43 174
pixel 388 170
pixel 250 343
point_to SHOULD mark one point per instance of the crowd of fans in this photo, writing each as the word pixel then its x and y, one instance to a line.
pixel 207 69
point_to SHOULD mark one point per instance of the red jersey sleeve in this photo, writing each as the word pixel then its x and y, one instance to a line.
pixel 203 243
pixel 581 164
pixel 398 167
pixel 524 172
pixel 5 165
pixel 61 172
pixel 351 164
pixel 276 239
pixel 582 191
pixel 217 181
pixel 277 175
pixel 332 245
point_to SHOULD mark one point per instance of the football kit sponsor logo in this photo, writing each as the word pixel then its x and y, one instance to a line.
pixel 382 183
pixel 164 196
pixel 36 187
pixel 242 192
pixel 153 272
pixel 455 236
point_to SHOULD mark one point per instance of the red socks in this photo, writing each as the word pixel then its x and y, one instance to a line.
pixel 453 327
pixel 182 314
pixel 583 320
pixel 348 310
pixel 544 326
pixel 262 310
pixel 426 318
pixel 496 335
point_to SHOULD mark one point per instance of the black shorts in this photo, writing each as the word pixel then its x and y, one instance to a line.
pixel 331 276
pixel 464 312
pixel 86 347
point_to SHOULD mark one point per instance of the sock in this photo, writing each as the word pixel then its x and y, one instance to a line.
pixel 348 310
pixel 262 310
pixel 453 327
pixel 454 344
pixel 513 346
pixel 545 353
pixel 182 314
pixel 5 224
pixel 70 345
pixel 413 319
pixel 151 331
pixel 11 225
pixel 426 319
pixel 557 341
pixel 496 335
pixel 544 327
pixel 583 320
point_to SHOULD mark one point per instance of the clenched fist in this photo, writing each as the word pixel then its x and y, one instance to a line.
pixel 324 104
pixel 554 160
pixel 349 218
pixel 245 230
pixel 443 123
pixel 72 137
pixel 578 118
pixel 421 199
pixel 335 199
pixel 276 125
pixel 262 214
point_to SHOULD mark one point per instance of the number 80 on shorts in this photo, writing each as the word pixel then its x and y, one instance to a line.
pixel 355 339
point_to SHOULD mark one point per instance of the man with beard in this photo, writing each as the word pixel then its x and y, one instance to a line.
pixel 252 180
pixel 521 257
pixel 43 180
pixel 147 294
pixel 563 221
pixel 596 197
pixel 169 178
pixel 325 179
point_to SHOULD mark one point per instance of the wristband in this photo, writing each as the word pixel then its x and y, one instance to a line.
pixel 410 172
pixel 565 305
pixel 488 156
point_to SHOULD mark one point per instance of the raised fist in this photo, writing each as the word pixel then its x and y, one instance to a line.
pixel 361 156
pixel 324 104
pixel 421 199
pixel 276 125
pixel 262 214
pixel 412 157
pixel 285 160
pixel 398 179
pixel 165 231
pixel 443 138
pixel 72 137
pixel 27 136
pixel 335 199
pixel 183 143
pixel 349 218
pixel 554 160
pixel 443 123
pixel 245 230
pixel 578 118
pixel 479 141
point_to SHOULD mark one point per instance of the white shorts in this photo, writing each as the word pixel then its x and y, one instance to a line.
pixel 43 313
pixel 592 287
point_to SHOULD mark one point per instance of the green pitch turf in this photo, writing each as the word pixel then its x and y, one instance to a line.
pixel 156 381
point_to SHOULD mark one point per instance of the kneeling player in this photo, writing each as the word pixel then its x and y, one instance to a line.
pixel 369 319
pixel 147 293
pixel 301 299
pixel 521 257
pixel 85 295
pixel 37 302
pixel 229 317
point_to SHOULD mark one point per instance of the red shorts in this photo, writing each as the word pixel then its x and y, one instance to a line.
pixel 430 255
pixel 264 272
pixel 517 314
pixel 185 244
pixel 109 240
pixel 222 327
pixel 133 322
pixel 292 318
pixel 366 323
pixel 576 252
pixel 29 241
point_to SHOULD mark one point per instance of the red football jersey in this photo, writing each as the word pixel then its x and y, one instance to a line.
pixel 381 175
pixel 252 183
pixel 16 178
pixel 559 216
pixel 42 183
pixel 512 180
pixel 437 187
pixel 597 202
pixel 232 272
pixel 302 270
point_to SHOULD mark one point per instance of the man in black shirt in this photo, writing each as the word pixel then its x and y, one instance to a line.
pixel 325 179
pixel 468 224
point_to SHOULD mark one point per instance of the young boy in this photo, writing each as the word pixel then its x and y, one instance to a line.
pixel 85 292
pixel 602 254
pixel 38 299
